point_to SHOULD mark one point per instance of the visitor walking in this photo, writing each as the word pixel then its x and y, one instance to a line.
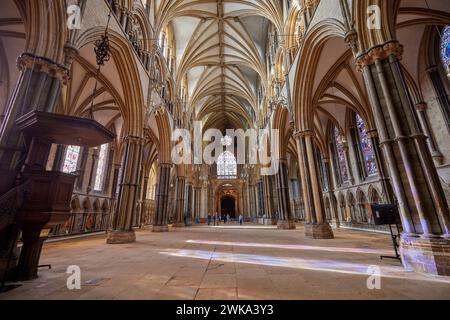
pixel 277 216
pixel 216 219
pixel 241 219
pixel 228 218
pixel 209 219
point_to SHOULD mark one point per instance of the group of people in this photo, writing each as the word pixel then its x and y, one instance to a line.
pixel 226 218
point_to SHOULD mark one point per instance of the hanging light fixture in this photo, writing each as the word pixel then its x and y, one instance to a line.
pixel 102 55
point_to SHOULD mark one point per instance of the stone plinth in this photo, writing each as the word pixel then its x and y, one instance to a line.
pixel 286 225
pixel 426 255
pixel 121 237
pixel 319 231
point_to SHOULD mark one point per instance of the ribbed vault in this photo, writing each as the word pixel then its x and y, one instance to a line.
pixel 220 56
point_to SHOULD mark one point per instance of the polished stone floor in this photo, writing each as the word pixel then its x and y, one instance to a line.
pixel 250 262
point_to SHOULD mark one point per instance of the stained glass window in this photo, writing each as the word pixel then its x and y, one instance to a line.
pixel 71 159
pixel 226 165
pixel 366 147
pixel 340 155
pixel 445 49
pixel 101 168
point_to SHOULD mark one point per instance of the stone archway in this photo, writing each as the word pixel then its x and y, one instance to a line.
pixel 228 206
pixel 228 201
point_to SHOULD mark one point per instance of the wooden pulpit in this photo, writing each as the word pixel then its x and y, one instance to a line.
pixel 49 193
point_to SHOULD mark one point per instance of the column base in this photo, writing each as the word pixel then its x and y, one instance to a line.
pixel 121 237
pixel 179 225
pixel 426 255
pixel 286 225
pixel 319 231
pixel 160 228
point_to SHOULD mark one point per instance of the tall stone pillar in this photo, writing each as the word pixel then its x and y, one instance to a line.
pixel 425 243
pixel 160 223
pixel 179 202
pixel 316 225
pixel 38 88
pixel 269 201
pixel 251 197
pixel 381 165
pixel 254 196
pixel 286 220
pixel 247 213
pixel 351 178
pixel 188 205
pixel 426 127
pixel 197 202
pixel 333 202
pixel 122 229
pixel 441 93
pixel 260 198
pixel 143 198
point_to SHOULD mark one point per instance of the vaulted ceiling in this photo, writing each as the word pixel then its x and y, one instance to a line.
pixel 220 48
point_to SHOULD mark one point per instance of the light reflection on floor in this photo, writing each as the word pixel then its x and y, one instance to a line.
pixel 293 247
pixel 305 264
pixel 236 226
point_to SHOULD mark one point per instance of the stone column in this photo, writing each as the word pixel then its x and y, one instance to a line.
pixel 260 196
pixel 316 225
pixel 122 229
pixel 268 201
pixel 425 243
pixel 143 197
pixel 197 200
pixel 81 172
pixel 248 210
pixel 435 153
pixel 37 88
pixel 333 202
pixel 351 178
pixel 441 93
pixel 284 203
pixel 179 206
pixel 160 222
pixel 295 196
pixel 188 205
pixel 251 208
pixel 254 200
pixel 92 171
pixel 381 165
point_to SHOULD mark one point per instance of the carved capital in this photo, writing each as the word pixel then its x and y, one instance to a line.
pixel 40 64
pixel 134 140
pixel 71 53
pixel 379 53
pixel 300 134
pixel 351 38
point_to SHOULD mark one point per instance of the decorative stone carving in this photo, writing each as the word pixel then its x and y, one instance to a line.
pixel 379 53
pixel 31 61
